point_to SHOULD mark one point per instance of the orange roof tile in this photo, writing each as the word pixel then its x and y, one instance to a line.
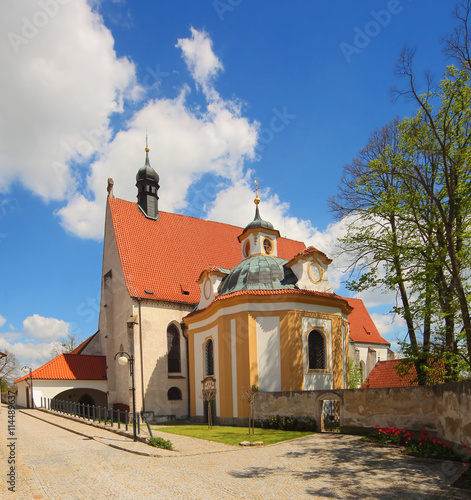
pixel 166 256
pixel 385 374
pixel 311 249
pixel 273 292
pixel 362 328
pixel 70 367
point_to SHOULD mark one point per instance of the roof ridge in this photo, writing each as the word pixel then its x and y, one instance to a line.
pixel 39 368
pixel 114 200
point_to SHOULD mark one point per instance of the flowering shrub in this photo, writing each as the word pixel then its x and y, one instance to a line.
pixel 420 444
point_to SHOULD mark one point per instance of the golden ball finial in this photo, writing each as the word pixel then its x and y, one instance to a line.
pixel 147 149
pixel 257 199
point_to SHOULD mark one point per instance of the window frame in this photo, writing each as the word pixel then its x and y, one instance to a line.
pixel 173 357
pixel 323 338
pixel 206 359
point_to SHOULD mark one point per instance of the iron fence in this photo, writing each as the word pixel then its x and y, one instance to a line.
pixel 106 416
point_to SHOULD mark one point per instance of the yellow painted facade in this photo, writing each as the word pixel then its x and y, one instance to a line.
pixel 246 310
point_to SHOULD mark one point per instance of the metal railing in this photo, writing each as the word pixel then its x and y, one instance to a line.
pixel 106 416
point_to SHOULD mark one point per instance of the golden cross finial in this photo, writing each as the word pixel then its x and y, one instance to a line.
pixel 257 199
pixel 147 146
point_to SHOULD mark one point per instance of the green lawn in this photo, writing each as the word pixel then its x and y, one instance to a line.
pixel 233 435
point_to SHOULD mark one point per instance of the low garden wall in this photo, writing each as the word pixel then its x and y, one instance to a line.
pixel 444 409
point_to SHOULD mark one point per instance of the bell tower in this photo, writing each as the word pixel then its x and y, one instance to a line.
pixel 147 183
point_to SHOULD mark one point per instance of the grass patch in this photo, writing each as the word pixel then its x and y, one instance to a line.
pixel 159 442
pixel 233 435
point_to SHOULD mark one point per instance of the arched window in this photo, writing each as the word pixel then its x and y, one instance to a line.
pixel 174 394
pixel 317 352
pixel 173 349
pixel 208 358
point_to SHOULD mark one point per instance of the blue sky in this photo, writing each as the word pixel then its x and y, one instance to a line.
pixel 229 91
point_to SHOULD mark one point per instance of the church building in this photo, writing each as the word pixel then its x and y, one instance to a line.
pixel 201 304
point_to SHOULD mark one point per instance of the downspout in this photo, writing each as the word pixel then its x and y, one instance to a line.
pixel 187 366
pixel 142 360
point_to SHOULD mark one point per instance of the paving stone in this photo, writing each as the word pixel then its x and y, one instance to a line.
pixel 54 463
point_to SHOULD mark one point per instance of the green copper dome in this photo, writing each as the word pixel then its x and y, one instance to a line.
pixel 260 272
pixel 258 222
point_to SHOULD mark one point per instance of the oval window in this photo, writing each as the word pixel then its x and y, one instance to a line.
pixel 267 246
pixel 247 248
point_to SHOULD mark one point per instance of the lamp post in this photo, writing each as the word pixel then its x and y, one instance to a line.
pixel 27 369
pixel 123 359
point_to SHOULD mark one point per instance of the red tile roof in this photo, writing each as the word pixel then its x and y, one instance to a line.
pixel 166 256
pixel 385 374
pixel 274 292
pixel 70 367
pixel 362 328
pixel 310 250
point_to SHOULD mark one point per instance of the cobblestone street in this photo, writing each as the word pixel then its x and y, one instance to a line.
pixel 57 464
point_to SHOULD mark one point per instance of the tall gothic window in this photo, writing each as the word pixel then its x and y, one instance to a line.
pixel 173 349
pixel 317 351
pixel 208 358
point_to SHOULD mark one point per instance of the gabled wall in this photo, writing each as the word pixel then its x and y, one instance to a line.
pixel 122 321
pixel 115 310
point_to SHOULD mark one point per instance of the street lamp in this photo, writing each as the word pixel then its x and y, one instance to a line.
pixel 27 369
pixel 123 359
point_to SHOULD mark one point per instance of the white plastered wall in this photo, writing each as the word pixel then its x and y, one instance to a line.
pixel 268 353
pixel 360 352
pixel 116 309
pixel 48 389
pixel 301 270
pixel 156 317
pixel 318 380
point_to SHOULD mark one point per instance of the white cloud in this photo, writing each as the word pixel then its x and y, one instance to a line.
pixel 388 325
pixel 203 64
pixel 46 329
pixel 29 353
pixel 60 82
pixel 185 144
pixel 234 205
pixel 2 320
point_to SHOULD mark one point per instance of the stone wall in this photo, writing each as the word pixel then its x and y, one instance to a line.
pixel 444 409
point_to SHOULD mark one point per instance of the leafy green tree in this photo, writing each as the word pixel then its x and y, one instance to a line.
pixel 355 374
pixel 377 241
pixel 438 138
pixel 408 195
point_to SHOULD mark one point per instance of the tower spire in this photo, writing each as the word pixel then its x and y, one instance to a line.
pixel 147 151
pixel 147 183
pixel 256 201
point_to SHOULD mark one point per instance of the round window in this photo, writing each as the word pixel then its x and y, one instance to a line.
pixel 247 248
pixel 267 245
